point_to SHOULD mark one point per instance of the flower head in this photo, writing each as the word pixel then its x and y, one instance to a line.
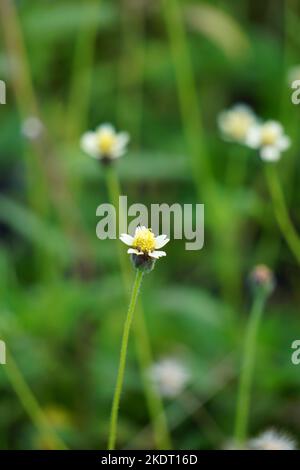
pixel 32 128
pixel 269 138
pixel 272 440
pixel 170 376
pixel 262 278
pixel 144 247
pixel 105 143
pixel 235 122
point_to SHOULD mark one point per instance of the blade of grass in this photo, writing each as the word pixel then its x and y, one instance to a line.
pixel 31 404
pixel 218 212
pixel 143 347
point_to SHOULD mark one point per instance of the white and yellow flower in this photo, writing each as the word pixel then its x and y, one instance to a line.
pixel 269 138
pixel 145 243
pixel 272 440
pixel 32 128
pixel 235 122
pixel 170 376
pixel 105 143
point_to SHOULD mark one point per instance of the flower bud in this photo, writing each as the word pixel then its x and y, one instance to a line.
pixel 262 280
pixel 143 263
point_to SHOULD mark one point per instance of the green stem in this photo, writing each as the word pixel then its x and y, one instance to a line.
pixel 81 76
pixel 188 97
pixel 122 362
pixel 144 353
pixel 281 212
pixel 201 162
pixel 244 392
pixel 237 166
pixel 131 69
pixel 30 403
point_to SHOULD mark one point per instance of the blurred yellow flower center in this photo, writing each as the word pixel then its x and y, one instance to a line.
pixel 144 240
pixel 269 136
pixel 106 142
pixel 238 124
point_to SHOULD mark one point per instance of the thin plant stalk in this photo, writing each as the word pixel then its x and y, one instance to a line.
pixel 248 361
pixel 122 362
pixel 31 404
pixel 144 353
pixel 237 166
pixel 131 68
pixel 219 217
pixel 25 98
pixel 81 76
pixel 188 97
pixel 285 224
pixel 46 182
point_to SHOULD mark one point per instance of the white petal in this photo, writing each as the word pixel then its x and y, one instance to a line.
pixel 114 154
pixel 127 239
pixel 284 143
pixel 134 251
pixel 157 254
pixel 244 108
pixel 123 138
pixel 106 128
pixel 161 241
pixel 253 137
pixel 270 153
pixel 274 126
pixel 120 146
pixel 88 143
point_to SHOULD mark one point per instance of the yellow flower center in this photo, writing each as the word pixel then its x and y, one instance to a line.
pixel 238 124
pixel 144 240
pixel 106 142
pixel 269 136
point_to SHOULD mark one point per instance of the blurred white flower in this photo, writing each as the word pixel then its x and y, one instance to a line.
pixel 170 376
pixel 105 143
pixel 32 127
pixel 269 138
pixel 145 242
pixel 272 440
pixel 235 122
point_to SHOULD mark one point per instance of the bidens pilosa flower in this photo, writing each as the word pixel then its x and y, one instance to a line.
pixel 32 128
pixel 235 122
pixel 170 376
pixel 262 279
pixel 269 138
pixel 144 247
pixel 105 144
pixel 272 440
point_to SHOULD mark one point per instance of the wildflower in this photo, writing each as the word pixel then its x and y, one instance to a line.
pixel 144 247
pixel 32 128
pixel 272 440
pixel 235 123
pixel 262 278
pixel 105 143
pixel 269 138
pixel 170 376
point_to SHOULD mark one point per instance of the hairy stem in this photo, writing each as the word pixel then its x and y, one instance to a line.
pixel 31 404
pixel 285 224
pixel 122 362
pixel 248 359
pixel 143 346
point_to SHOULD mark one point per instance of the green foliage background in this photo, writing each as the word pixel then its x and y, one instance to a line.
pixel 62 304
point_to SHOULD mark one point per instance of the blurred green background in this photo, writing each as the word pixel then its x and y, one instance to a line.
pixel 162 71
